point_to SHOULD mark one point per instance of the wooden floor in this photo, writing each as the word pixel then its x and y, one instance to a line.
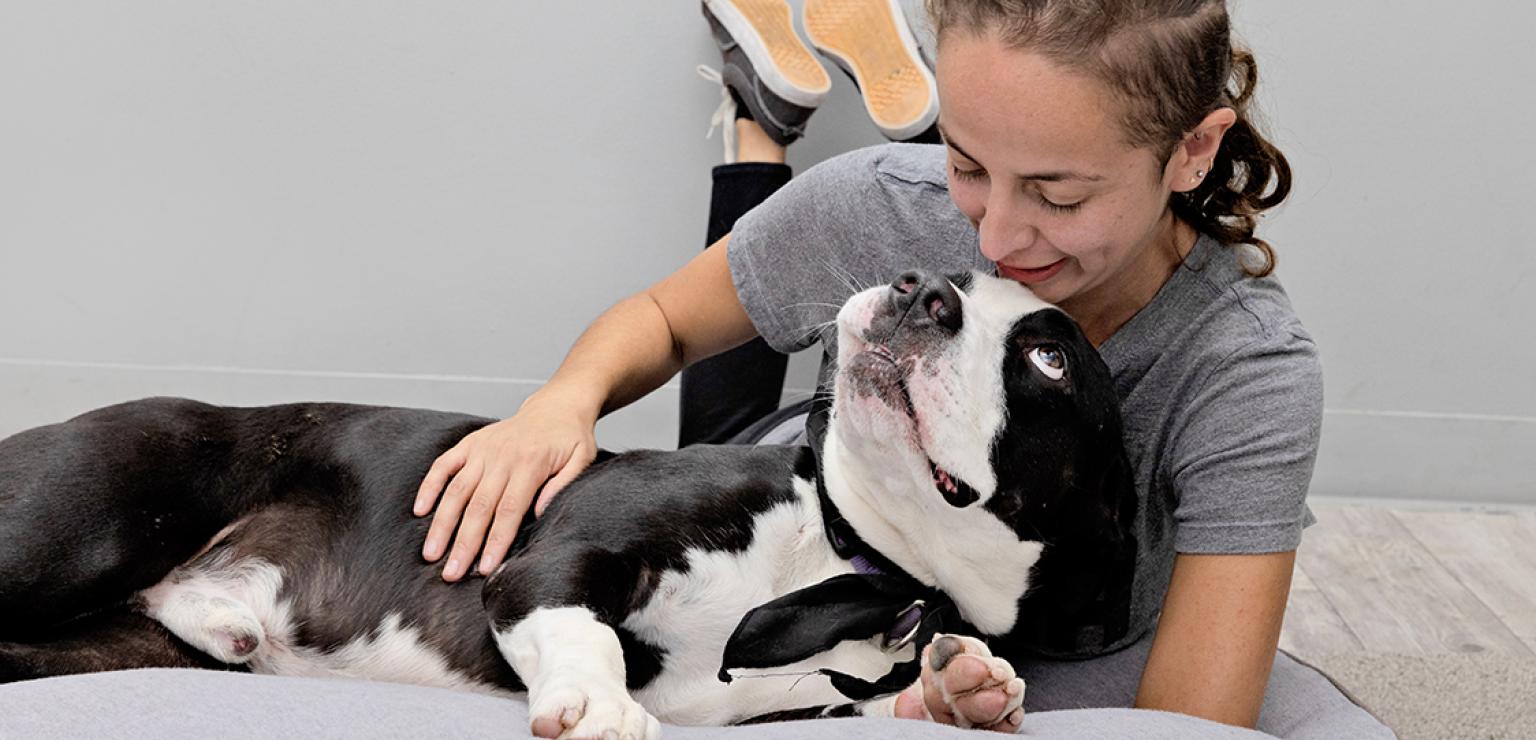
pixel 1414 582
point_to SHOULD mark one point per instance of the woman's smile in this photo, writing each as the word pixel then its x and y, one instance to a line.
pixel 1031 276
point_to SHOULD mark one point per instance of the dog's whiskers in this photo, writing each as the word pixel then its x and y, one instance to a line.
pixel 844 276
pixel 817 327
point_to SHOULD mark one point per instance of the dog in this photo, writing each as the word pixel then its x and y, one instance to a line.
pixel 966 487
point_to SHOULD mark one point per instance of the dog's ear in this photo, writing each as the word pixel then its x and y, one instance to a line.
pixel 1080 597
pixel 814 619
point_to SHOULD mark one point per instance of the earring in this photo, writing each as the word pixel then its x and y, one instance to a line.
pixel 1199 175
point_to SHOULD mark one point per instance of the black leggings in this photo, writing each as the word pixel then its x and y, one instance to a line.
pixel 725 394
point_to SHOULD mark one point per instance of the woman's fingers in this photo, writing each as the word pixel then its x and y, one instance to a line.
pixel 580 458
pixel 442 470
pixel 475 522
pixel 449 508
pixel 519 490
pixel 492 476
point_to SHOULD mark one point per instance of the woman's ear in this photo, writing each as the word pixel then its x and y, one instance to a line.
pixel 1192 158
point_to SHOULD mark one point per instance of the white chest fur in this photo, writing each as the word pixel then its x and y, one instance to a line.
pixel 694 612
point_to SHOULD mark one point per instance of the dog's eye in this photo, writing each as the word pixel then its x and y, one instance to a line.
pixel 1049 360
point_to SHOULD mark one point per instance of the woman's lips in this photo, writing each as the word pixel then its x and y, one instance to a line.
pixel 1030 277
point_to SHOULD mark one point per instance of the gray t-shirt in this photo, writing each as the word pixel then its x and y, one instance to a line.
pixel 1220 386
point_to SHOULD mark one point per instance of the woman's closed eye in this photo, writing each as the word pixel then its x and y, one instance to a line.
pixel 965 174
pixel 978 174
pixel 1053 206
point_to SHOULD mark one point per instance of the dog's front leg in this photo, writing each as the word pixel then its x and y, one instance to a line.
pixel 553 628
pixel 574 669
pixel 962 684
pixel 965 685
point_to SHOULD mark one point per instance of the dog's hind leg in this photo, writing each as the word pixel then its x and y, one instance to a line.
pixel 212 602
pixel 207 618
pixel 104 505
pixel 112 641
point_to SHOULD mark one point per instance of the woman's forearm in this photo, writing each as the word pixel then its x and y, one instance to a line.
pixel 627 352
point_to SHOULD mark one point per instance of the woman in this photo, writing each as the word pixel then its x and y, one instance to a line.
pixel 1101 154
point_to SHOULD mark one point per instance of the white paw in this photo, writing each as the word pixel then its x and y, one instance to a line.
pixel 960 689
pixel 231 632
pixel 220 626
pixel 582 707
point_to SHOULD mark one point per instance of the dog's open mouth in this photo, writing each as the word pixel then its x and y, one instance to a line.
pixel 892 386
pixel 954 490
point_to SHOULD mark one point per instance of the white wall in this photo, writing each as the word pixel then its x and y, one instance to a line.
pixel 1405 246
pixel 423 204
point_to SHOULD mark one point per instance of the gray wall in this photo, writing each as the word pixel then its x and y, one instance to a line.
pixel 423 204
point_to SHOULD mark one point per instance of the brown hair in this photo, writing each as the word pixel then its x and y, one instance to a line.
pixel 1172 62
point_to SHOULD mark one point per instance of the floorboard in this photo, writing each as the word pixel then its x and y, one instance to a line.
pixel 1390 591
pixel 1491 554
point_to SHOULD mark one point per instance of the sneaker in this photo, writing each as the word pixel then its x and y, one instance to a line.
pixel 871 41
pixel 766 65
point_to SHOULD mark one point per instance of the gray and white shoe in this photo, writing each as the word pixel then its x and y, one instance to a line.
pixel 872 42
pixel 766 65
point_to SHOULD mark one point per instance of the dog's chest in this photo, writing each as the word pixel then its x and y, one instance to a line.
pixel 692 613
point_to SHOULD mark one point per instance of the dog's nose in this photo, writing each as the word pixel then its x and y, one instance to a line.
pixel 935 297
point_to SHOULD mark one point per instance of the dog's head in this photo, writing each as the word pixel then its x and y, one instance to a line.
pixel 974 429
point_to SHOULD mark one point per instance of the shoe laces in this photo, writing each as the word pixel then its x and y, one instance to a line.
pixel 724 117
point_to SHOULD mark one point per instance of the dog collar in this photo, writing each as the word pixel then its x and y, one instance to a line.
pixel 845 541
pixel 877 599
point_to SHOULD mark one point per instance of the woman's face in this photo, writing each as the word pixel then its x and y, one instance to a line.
pixel 1038 162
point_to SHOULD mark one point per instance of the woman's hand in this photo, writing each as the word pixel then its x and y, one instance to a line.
pixel 492 476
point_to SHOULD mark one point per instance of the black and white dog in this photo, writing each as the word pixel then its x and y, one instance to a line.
pixel 968 478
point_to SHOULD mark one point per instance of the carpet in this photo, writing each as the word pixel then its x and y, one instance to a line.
pixel 1430 697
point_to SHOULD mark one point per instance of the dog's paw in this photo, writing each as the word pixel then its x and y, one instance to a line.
pixel 581 707
pixel 230 631
pixel 965 685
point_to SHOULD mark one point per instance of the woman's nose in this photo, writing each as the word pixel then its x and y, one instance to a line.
pixel 1004 230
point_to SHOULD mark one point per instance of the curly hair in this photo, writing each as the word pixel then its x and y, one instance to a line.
pixel 1171 62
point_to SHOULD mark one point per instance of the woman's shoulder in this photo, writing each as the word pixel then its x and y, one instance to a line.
pixel 1214 329
pixel 889 202
pixel 883 165
pixel 1213 305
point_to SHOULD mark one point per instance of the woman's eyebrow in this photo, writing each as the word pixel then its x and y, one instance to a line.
pixel 1054 176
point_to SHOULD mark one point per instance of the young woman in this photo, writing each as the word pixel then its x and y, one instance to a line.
pixel 1102 154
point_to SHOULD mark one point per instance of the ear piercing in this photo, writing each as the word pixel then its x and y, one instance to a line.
pixel 1199 175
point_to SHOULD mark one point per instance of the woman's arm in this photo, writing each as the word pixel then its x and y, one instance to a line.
pixel 492 475
pixel 1216 639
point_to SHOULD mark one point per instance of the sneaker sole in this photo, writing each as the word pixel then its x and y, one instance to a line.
pixel 869 41
pixel 765 29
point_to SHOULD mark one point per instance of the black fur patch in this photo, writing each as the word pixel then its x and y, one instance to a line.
pixel 1064 479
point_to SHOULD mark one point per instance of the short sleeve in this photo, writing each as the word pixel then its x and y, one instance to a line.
pixel 848 223
pixel 1243 458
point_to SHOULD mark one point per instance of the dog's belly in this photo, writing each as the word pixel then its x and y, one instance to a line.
pixel 693 613
pixel 246 601
pixel 394 652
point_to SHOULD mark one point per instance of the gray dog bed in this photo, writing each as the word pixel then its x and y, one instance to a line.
pixel 169 703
